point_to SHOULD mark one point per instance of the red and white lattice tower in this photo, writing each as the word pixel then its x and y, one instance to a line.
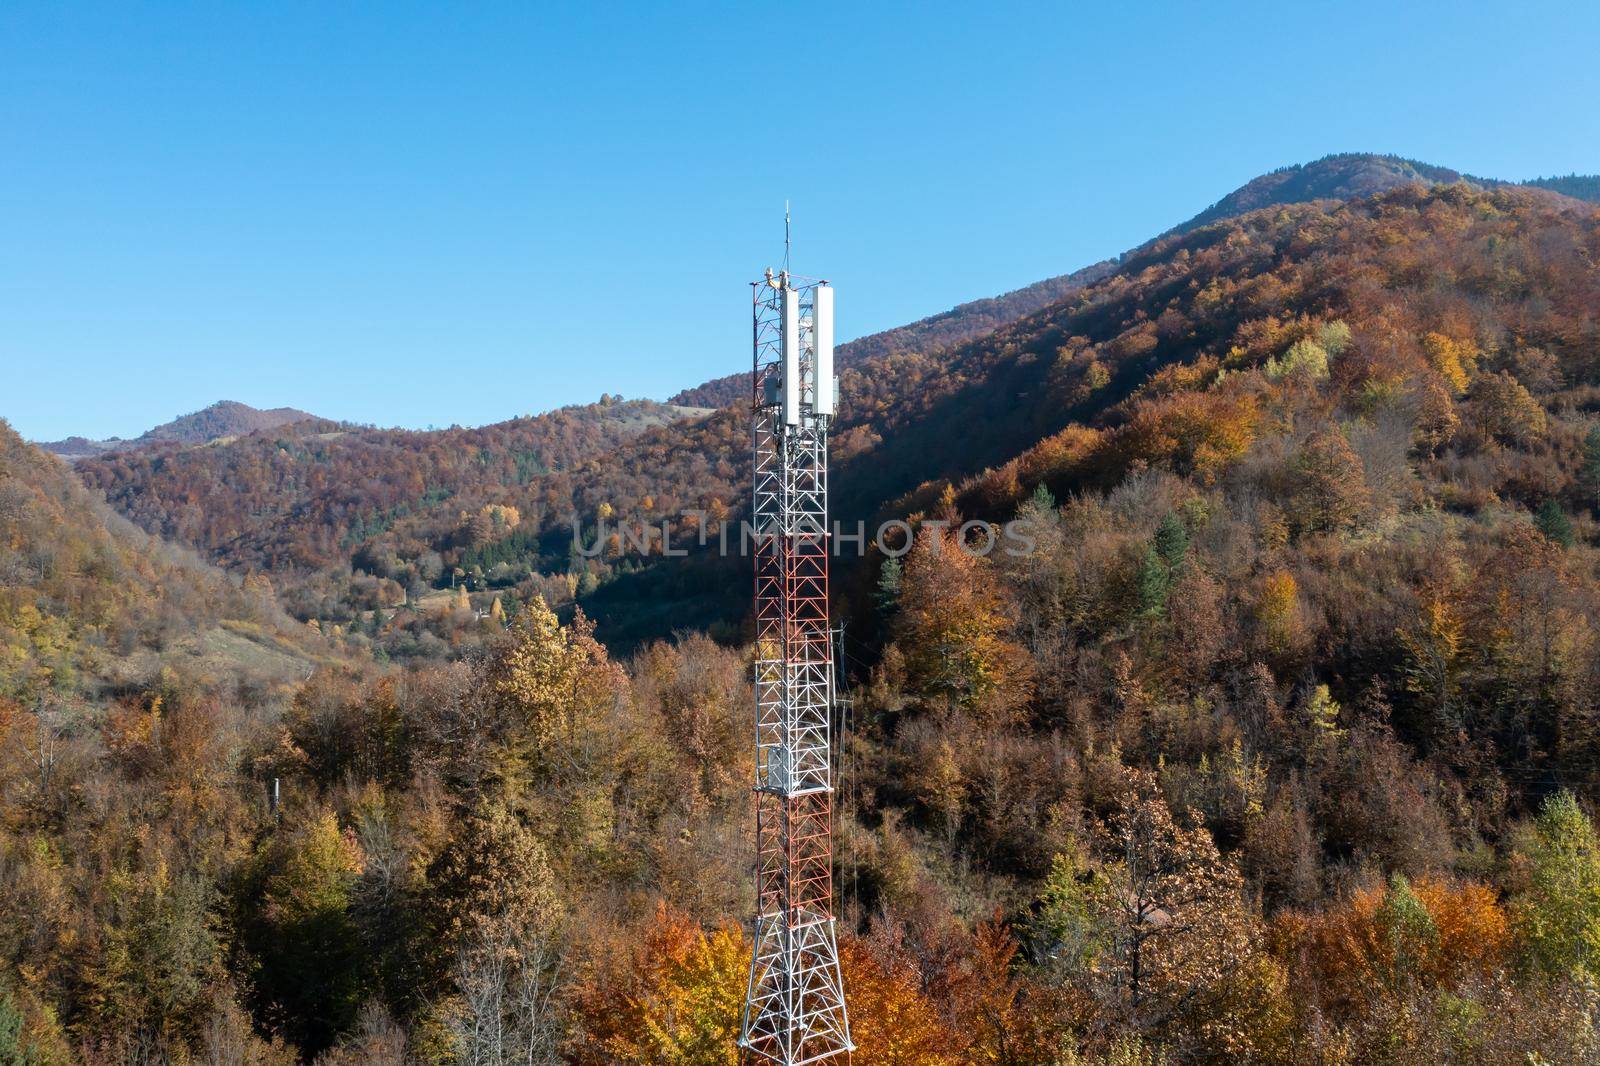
pixel 794 1009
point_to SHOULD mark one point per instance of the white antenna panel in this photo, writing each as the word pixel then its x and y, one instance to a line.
pixel 791 356
pixel 823 397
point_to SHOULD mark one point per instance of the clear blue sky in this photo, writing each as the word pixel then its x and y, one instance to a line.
pixel 438 213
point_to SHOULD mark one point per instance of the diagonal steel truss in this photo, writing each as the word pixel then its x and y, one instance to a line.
pixel 794 1009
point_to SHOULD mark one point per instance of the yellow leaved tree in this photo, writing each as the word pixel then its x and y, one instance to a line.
pixel 672 1000
pixel 955 633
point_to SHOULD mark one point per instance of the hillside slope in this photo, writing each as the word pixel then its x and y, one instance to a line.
pixel 90 605
pixel 1344 176
pixel 1503 274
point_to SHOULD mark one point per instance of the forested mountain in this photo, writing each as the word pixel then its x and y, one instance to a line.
pixel 311 498
pixel 1117 374
pixel 411 508
pixel 1345 176
pixel 225 418
pixel 1277 746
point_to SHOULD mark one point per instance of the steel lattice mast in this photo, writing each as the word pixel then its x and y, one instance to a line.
pixel 794 1009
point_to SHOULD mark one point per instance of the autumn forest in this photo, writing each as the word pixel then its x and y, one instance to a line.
pixel 327 743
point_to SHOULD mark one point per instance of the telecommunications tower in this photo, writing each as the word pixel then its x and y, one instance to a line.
pixel 794 1009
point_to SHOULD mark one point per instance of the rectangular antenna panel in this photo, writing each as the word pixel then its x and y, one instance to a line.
pixel 791 356
pixel 823 398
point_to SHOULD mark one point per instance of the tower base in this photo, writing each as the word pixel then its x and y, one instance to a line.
pixel 794 1010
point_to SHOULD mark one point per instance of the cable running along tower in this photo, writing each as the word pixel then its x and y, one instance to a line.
pixel 794 1009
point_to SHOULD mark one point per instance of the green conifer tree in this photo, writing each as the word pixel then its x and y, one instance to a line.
pixel 1553 522
pixel 889 584
pixel 1172 540
pixel 1591 462
pixel 1153 582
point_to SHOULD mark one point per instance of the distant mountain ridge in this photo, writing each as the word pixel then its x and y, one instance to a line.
pixel 1345 176
pixel 301 497
pixel 225 418
pixel 1342 176
pixel 1577 186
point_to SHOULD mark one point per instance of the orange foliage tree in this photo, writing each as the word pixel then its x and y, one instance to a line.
pixel 1193 432
pixel 998 1014
pixel 955 633
pixel 1385 939
pixel 672 1001
pixel 892 1020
